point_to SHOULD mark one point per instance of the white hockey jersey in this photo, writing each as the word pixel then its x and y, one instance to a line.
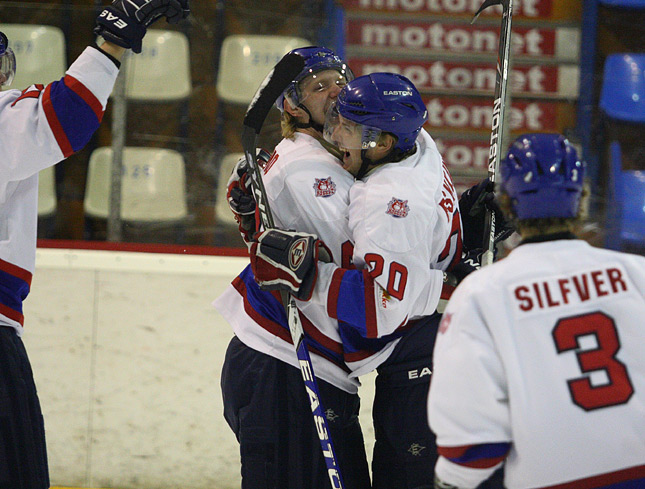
pixel 405 222
pixel 39 127
pixel 540 360
pixel 308 191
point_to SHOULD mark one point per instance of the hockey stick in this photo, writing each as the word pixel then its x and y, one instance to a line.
pixel 499 103
pixel 272 86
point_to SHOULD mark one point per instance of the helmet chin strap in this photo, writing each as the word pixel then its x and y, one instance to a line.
pixel 313 124
pixel 365 164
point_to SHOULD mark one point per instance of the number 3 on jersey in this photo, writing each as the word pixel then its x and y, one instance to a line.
pixel 619 387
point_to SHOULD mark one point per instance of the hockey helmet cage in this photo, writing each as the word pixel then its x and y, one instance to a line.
pixel 7 62
pixel 317 59
pixel 384 102
pixel 543 177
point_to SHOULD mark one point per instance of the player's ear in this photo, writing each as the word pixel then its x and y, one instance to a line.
pixel 387 142
pixel 384 145
pixel 293 111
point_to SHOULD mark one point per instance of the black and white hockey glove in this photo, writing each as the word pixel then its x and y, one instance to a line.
pixel 125 22
pixel 470 261
pixel 286 260
pixel 473 205
pixel 240 197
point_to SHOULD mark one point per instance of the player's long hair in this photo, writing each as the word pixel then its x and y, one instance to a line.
pixel 540 227
pixel 288 123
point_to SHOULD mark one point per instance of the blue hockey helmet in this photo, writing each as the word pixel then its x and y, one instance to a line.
pixel 317 59
pixel 383 102
pixel 543 176
pixel 7 62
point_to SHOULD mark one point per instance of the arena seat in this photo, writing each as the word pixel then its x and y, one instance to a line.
pixel 161 73
pixel 223 214
pixel 622 102
pixel 153 185
pixel 626 205
pixel 40 53
pixel 622 96
pixel 246 60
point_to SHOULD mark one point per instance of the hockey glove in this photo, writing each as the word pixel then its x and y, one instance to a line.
pixel 286 260
pixel 240 197
pixel 470 261
pixel 473 205
pixel 124 23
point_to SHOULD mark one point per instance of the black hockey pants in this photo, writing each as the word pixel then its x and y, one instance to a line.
pixel 405 451
pixel 266 405
pixel 23 455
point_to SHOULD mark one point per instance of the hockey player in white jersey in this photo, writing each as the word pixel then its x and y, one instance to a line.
pixel 265 402
pixel 406 233
pixel 39 127
pixel 539 359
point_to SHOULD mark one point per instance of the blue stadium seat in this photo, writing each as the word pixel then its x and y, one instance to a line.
pixel 626 205
pixel 622 101
pixel 623 88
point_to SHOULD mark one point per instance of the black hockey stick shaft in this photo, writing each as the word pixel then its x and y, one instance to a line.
pixel 270 89
pixel 499 106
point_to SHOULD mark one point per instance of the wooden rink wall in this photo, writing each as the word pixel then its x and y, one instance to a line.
pixel 127 352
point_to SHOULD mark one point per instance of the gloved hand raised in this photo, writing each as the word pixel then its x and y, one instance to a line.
pixel 286 260
pixel 473 205
pixel 124 23
pixel 240 197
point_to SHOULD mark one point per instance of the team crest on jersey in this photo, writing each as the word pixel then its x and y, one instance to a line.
pixel 297 253
pixel 324 187
pixel 397 207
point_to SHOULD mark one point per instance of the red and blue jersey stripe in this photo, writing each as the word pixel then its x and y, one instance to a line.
pixel 351 300
pixel 267 310
pixel 15 283
pixel 73 113
pixel 481 456
pixel 629 478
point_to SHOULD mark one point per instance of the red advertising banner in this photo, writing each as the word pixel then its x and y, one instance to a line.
pixel 474 115
pixel 478 39
pixel 555 81
pixel 460 154
pixel 563 10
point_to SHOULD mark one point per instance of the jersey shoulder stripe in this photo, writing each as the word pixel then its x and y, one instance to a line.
pixel 54 123
pixel 88 97
pixel 73 113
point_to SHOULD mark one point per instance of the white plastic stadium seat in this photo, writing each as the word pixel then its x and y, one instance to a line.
pixel 40 53
pixel 246 60
pixel 153 185
pixel 161 72
pixel 223 213
pixel 46 192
